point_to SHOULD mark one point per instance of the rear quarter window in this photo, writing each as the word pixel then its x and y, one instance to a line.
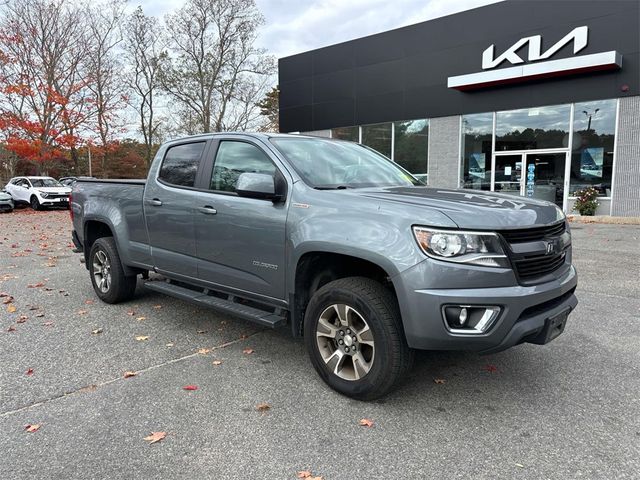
pixel 180 164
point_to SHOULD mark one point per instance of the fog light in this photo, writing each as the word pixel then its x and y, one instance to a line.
pixel 467 319
pixel 463 316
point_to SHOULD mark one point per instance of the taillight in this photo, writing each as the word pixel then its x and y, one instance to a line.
pixel 71 206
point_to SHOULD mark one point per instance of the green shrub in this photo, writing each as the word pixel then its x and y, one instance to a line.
pixel 586 201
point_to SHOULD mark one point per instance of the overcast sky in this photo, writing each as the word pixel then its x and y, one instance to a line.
pixel 295 26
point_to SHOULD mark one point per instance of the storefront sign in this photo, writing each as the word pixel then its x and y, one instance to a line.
pixel 553 68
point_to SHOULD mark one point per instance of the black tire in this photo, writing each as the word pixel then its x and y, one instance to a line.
pixel 120 287
pixel 35 203
pixel 376 305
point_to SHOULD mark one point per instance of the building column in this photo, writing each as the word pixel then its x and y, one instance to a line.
pixel 625 200
pixel 444 151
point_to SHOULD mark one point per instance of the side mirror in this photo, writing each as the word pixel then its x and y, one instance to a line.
pixel 257 185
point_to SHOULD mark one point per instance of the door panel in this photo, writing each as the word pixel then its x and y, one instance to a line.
pixel 240 242
pixel 169 210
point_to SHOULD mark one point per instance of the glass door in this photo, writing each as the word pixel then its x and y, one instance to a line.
pixel 508 173
pixel 544 176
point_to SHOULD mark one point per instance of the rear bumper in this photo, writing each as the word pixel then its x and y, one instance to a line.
pixel 524 311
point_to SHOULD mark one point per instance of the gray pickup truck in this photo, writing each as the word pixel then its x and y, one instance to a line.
pixel 336 241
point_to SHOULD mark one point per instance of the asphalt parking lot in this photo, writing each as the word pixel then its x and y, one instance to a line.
pixel 570 409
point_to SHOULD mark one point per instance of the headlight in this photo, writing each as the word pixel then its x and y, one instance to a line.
pixel 474 248
pixel 43 194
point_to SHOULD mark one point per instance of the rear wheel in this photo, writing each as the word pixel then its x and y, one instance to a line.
pixel 107 275
pixel 35 203
pixel 353 333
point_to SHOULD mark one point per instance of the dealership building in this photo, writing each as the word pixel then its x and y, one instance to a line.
pixel 532 98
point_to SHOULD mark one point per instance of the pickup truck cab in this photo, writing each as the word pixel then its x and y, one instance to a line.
pixel 336 241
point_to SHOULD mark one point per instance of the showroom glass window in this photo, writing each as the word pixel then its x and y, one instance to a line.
pixel 594 125
pixel 410 146
pixel 346 133
pixel 477 132
pixel 378 137
pixel 533 128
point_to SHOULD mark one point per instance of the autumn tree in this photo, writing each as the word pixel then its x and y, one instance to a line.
pixel 105 73
pixel 143 43
pixel 212 70
pixel 269 108
pixel 41 47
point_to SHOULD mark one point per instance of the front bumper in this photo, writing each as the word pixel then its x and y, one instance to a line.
pixel 6 205
pixel 525 310
pixel 55 202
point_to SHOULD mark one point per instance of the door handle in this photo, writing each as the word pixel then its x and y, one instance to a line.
pixel 155 202
pixel 208 210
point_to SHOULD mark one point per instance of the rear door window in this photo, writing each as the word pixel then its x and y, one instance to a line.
pixel 180 164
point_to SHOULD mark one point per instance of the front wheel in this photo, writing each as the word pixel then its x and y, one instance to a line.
pixel 35 203
pixel 107 275
pixel 353 333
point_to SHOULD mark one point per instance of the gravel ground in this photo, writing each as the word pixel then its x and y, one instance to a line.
pixel 569 409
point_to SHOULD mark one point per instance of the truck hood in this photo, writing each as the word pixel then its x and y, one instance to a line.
pixel 472 208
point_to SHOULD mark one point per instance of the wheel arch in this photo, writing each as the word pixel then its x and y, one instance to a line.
pixel 314 269
pixel 99 228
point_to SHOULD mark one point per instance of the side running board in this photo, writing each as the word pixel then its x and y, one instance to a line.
pixel 266 319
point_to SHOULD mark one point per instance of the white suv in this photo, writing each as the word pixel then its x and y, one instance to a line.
pixel 38 192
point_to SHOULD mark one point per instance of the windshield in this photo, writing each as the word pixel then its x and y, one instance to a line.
pixel 332 164
pixel 44 182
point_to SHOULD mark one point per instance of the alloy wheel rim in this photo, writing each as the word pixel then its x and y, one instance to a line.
pixel 345 342
pixel 102 271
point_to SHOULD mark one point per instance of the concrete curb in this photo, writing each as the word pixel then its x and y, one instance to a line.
pixel 606 219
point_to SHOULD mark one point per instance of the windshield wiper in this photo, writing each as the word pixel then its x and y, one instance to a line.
pixel 331 187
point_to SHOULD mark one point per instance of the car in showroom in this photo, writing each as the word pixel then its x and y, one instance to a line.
pixel 39 192
pixel 6 201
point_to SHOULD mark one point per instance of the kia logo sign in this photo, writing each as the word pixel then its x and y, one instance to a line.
pixel 578 36
pixel 533 67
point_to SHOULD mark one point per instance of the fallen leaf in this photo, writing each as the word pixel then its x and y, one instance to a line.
pixel 47 324
pixel 263 407
pixel 34 427
pixel 82 312
pixel 39 315
pixel 217 362
pixel 304 474
pixel 142 338
pixel 11 308
pixel 89 302
pixel 248 351
pixel 11 328
pixel 244 336
pixel 131 313
pixel 155 437
pixel 29 371
pixel 169 344
pixel 157 307
pixel 35 285
pixel 97 331
pixel 439 381
pixel 190 387
pixel 88 388
pixel 128 374
pixel 141 318
pixel 365 422
pixel 491 368
pixel 204 351
pixel 201 331
pixel 22 319
pixel 7 300
pixel 519 465
pixel 4 294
